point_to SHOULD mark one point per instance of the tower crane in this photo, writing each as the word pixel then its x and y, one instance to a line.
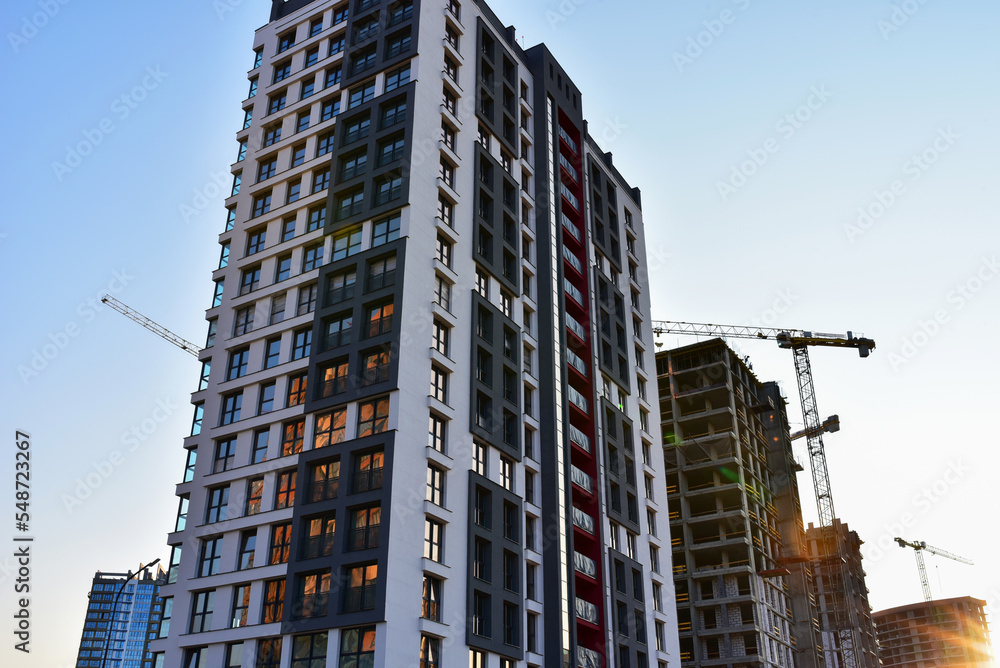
pixel 919 547
pixel 152 326
pixel 799 341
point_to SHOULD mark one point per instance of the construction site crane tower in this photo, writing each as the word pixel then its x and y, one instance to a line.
pixel 799 342
pixel 919 547
pixel 152 326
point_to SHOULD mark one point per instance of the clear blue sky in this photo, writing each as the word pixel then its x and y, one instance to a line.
pixel 755 131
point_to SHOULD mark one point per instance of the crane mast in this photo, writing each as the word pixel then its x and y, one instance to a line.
pixel 799 342
pixel 152 326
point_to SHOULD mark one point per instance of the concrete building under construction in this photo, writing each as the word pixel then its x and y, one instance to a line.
pixel 734 602
pixel 950 632
pixel 841 604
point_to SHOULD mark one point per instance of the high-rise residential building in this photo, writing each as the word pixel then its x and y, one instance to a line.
pixel 793 556
pixel 841 604
pixel 949 632
pixel 123 615
pixel 421 434
pixel 734 603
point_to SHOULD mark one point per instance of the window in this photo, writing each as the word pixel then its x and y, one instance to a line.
pixel 439 384
pixel 388 188
pixel 482 283
pixel 277 102
pixel 443 251
pixel 373 417
pixel 507 473
pixel 350 204
pixel 309 651
pixel 255 495
pixel 248 544
pixel 446 211
pixel 442 293
pixel 288 229
pixel 324 482
pixel 192 458
pixel 511 624
pixel 231 405
pixel 277 308
pixel 393 113
pixel 334 379
pixel 448 135
pixel 316 27
pixel 330 108
pixel 211 556
pixel 431 608
pixel 238 360
pixel 282 71
pixel 225 455
pixel 368 471
pixel 312 258
pixel 357 647
pixel 400 11
pixel 442 334
pixel 396 78
pixel 435 485
pixel 243 323
pixel 241 606
pixel 272 135
pixel 307 299
pixel 317 218
pixel 451 67
pixel 430 652
pixel 364 529
pixel 201 611
pixel 368 28
pixel 337 332
pixel 247 120
pixel 480 459
pixel 302 343
pixel 274 599
pixel 397 44
pixel 267 169
pixel 341 287
pixel 449 101
pixel 269 649
pixel 353 165
pixel 311 600
pixel 356 129
pixel 333 76
pixel 381 273
pixel 258 57
pixel 447 173
pixel 250 280
pixel 294 191
pixel 281 540
pixel 220 287
pixel 337 44
pixel 302 121
pixel 386 230
pixel 433 539
pixel 285 493
pixel 482 510
pixel 312 57
pixel 291 437
pixel 319 540
pixel 437 432
pixel 451 36
pixel 380 319
pixel 286 41
pixel 530 579
pixel 510 523
pixel 360 591
pixel 375 367
pixel 256 240
pixel 321 180
pixel 481 615
pixel 361 94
